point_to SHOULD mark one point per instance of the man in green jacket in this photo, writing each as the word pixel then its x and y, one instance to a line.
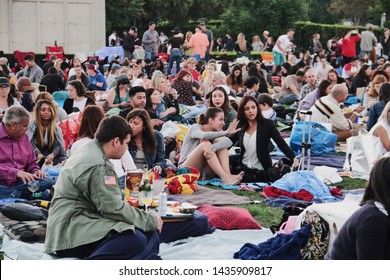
pixel 88 218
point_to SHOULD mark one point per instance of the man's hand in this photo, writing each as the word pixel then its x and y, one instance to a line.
pixel 159 222
pixel 25 176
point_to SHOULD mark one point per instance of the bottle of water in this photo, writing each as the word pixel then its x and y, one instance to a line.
pixel 162 201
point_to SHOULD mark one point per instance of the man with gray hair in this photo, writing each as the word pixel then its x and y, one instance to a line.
pixel 327 110
pixel 18 164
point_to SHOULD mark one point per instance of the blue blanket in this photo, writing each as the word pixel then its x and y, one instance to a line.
pixel 217 182
pixel 280 247
pixel 304 180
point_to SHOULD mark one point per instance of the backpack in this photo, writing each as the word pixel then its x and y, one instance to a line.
pixel 318 242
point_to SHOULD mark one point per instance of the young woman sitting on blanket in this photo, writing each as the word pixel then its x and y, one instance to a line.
pixel 205 147
pixel 146 145
pixel 254 138
pixel 366 234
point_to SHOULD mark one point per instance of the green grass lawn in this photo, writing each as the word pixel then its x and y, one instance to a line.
pixel 268 216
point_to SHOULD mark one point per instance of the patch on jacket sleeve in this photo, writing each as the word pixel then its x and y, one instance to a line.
pixel 109 180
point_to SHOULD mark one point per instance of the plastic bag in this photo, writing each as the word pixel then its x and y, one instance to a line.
pixel 322 140
pixel 170 129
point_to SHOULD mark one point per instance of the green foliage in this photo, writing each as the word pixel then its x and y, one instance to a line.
pixel 318 11
pixel 123 13
pixel 356 10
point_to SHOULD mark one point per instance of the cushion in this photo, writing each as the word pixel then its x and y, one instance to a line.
pixel 227 218
pixel 26 231
pixel 24 212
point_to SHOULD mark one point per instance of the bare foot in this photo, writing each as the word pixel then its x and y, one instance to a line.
pixel 232 181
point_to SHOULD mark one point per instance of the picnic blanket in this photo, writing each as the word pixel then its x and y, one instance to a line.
pixel 207 196
pixel 220 245
pixel 217 182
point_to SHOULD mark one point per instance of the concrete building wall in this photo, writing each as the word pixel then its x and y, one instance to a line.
pixel 31 25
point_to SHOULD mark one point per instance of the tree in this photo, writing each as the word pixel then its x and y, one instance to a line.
pixel 353 9
pixel 123 13
pixel 318 12
pixel 252 17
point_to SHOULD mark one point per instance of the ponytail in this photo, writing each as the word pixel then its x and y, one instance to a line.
pixel 211 112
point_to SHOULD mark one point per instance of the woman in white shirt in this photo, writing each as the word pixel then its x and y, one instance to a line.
pixel 77 100
pixel 382 129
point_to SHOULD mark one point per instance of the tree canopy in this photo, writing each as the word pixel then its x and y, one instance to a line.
pixel 249 17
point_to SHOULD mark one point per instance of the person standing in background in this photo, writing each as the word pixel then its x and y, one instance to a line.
pixel 128 43
pixel 385 42
pixel 210 37
pixel 113 39
pixel 150 41
pixel 368 42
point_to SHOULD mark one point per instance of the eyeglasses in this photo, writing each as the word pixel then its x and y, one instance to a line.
pixel 4 86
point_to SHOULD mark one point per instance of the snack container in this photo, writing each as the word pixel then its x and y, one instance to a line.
pixel 133 183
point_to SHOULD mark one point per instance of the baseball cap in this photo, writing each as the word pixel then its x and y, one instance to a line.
pixel 134 28
pixel 92 67
pixel 4 81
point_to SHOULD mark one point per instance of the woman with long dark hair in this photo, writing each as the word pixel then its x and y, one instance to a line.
pixel 254 138
pixel 235 80
pixel 254 72
pixel 220 99
pixel 146 145
pixel 366 234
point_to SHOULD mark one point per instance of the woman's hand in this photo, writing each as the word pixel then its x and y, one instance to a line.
pixel 295 164
pixel 174 93
pixel 39 174
pixel 49 158
pixel 123 104
pixel 157 169
pixel 208 153
pixel 232 127
pixel 171 110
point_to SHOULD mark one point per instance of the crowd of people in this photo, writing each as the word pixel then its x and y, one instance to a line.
pixel 224 104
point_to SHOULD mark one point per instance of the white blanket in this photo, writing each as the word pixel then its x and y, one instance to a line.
pixel 220 245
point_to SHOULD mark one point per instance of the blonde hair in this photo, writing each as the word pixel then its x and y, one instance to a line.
pixel 241 41
pixel 157 79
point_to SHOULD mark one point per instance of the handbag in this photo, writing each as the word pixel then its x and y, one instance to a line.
pixel 322 140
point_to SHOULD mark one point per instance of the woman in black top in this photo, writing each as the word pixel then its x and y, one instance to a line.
pixel 362 78
pixel 176 41
pixel 254 138
pixel 366 234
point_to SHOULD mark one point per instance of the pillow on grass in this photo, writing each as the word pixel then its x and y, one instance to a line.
pixel 229 217
pixel 26 231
